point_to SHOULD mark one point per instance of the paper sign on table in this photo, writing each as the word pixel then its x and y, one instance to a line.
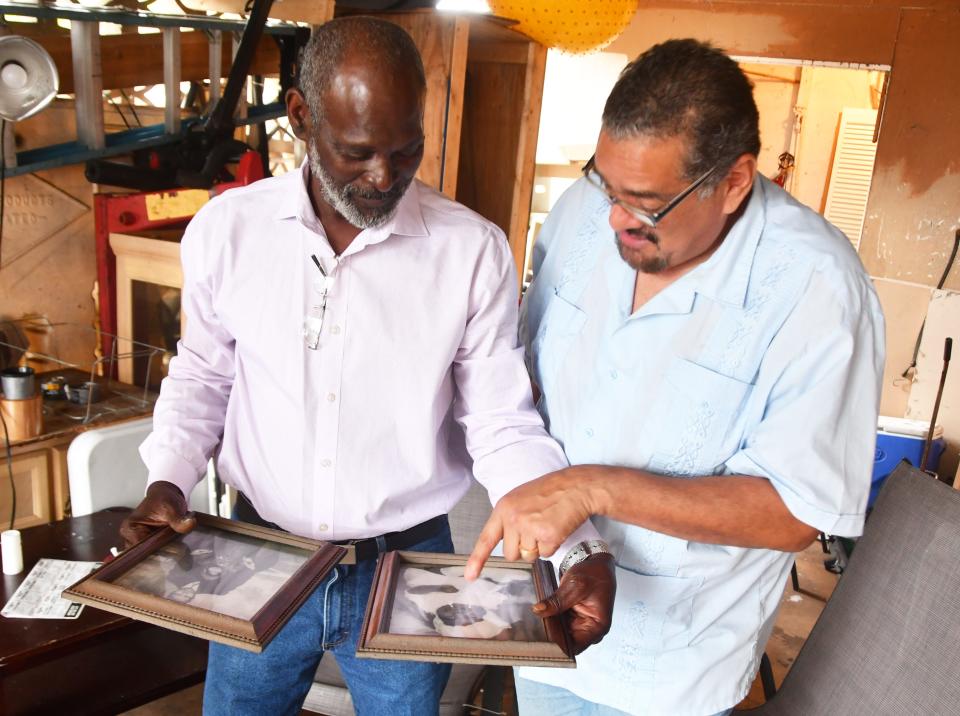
pixel 38 597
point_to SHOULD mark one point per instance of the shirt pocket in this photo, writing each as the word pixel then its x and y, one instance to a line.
pixel 562 322
pixel 697 418
pixel 652 615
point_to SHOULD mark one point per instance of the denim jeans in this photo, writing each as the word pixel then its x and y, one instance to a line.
pixel 276 681
pixel 536 699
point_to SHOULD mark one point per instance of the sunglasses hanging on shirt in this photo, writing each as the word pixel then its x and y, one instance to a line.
pixel 313 322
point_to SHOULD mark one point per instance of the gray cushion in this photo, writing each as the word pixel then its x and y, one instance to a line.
pixel 329 694
pixel 888 641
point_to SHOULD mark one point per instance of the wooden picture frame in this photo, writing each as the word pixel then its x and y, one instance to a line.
pixel 422 608
pixel 225 581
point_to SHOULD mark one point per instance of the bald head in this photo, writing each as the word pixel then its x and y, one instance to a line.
pixel 358 44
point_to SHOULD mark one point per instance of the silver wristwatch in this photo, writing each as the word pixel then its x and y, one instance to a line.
pixel 581 551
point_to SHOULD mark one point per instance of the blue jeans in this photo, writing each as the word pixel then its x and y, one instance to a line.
pixel 536 699
pixel 276 681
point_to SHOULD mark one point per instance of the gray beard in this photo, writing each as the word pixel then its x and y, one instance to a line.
pixel 342 196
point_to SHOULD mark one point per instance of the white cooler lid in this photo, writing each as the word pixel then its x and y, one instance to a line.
pixel 907 426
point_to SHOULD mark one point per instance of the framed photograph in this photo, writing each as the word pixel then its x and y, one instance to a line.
pixel 225 581
pixel 421 607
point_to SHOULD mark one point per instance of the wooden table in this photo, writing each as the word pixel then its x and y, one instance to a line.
pixel 118 402
pixel 99 663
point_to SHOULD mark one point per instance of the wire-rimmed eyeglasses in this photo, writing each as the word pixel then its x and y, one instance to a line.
pixel 651 220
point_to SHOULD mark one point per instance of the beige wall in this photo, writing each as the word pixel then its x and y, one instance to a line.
pixel 49 259
pixel 914 205
pixel 904 307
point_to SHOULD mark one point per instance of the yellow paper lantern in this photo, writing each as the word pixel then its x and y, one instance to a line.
pixel 571 25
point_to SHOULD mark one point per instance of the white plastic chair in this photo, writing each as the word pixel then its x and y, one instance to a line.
pixel 104 469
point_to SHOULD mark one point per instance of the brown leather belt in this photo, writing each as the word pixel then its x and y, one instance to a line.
pixel 361 549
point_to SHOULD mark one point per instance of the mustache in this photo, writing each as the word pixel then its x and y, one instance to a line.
pixel 644 234
pixel 395 192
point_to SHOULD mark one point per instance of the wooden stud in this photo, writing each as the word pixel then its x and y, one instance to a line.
pixel 455 98
pixel 434 35
pixel 527 154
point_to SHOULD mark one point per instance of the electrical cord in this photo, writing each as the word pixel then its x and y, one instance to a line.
pixel 113 103
pixel 943 280
pixel 13 487
pixel 6 435
pixel 133 110
pixel 3 178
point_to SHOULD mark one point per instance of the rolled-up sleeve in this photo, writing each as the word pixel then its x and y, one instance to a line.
pixel 505 434
pixel 189 416
pixel 822 373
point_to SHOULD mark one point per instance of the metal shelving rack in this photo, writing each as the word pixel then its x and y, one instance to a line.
pixel 92 141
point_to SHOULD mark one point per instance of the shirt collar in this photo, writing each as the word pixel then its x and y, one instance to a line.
pixel 295 198
pixel 725 276
pixel 406 221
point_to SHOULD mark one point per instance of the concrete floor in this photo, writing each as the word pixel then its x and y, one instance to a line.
pixel 798 613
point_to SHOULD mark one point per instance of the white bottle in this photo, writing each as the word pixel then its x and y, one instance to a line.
pixel 11 552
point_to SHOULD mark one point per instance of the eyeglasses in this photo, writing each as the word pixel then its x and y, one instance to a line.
pixel 651 220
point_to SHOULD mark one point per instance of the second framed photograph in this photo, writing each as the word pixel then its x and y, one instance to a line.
pixel 225 581
pixel 421 607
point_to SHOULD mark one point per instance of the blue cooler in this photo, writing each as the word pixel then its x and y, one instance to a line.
pixel 898 439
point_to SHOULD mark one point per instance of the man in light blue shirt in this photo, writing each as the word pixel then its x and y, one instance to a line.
pixel 712 369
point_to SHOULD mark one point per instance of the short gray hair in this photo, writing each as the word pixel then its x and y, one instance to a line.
pixel 379 40
pixel 689 89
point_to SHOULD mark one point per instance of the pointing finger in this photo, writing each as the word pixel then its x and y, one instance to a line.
pixel 489 537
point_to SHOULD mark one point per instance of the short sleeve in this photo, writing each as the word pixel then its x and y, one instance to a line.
pixel 822 376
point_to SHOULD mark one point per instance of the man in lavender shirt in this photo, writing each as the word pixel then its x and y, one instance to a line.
pixel 351 351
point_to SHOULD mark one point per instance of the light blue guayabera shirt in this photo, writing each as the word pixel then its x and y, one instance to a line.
pixel 764 360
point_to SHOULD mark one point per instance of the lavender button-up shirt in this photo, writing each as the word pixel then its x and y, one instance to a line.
pixel 417 378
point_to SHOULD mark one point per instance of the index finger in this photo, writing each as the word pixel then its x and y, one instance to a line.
pixel 490 535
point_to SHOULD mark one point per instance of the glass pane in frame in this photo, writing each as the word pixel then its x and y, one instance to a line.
pixel 436 600
pixel 224 572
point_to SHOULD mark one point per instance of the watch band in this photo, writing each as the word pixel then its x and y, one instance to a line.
pixel 581 551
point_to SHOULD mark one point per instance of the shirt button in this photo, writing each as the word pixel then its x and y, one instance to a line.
pixel 325 463
pixel 614 374
pixel 323 527
pixel 589 432
pixel 331 397
pixel 335 330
